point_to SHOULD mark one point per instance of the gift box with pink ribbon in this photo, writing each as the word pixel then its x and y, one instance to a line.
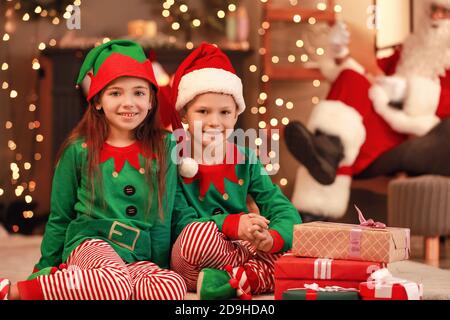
pixel 383 286
pixel 368 241
pixel 296 272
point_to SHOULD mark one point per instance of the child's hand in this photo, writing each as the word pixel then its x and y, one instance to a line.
pixel 249 224
pixel 263 240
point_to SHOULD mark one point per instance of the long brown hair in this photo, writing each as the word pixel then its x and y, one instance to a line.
pixel 94 129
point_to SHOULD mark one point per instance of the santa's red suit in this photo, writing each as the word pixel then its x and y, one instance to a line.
pixel 358 113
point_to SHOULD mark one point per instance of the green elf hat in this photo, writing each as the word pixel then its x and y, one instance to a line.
pixel 114 59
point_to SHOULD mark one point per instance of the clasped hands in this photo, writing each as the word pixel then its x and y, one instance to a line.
pixel 255 229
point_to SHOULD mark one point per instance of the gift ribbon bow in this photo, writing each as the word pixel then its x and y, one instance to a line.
pixel 368 223
pixel 315 287
pixel 383 282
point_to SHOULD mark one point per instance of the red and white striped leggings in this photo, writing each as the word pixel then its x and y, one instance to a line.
pixel 96 272
pixel 201 245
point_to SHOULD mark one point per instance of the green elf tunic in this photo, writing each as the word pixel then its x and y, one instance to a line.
pixel 219 193
pixel 117 214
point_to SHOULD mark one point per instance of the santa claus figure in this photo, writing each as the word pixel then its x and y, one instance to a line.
pixel 396 123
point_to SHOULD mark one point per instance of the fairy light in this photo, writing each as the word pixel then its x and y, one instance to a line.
pixel 39 138
pixel 32 108
pixel 275 59
pixel 337 8
pixel 262 51
pixel 291 58
pixel 316 83
pixel 276 137
pixel 5 85
pixel 312 20
pixel 26 17
pixel 67 15
pixel 5 66
pixel 55 20
pixel 293 2
pixel 52 42
pixel 8 125
pixel 189 45
pixel 2 192
pixel 297 18
pixel 184 8
pixel 37 156
pixel 36 65
pixel 265 25
pixel 166 5
pixel 38 9
pixel 320 51
pixel 285 121
pixel 42 46
pixel 272 154
pixel 196 23
pixel 262 110
pixel 13 94
pixel 165 13
pixel 283 181
pixel 232 7
pixel 299 43
pixel 262 124
pixel 263 96
pixel 265 78
pixel 221 14
pixel 254 110
pixel 261 31
pixel 77 3
pixel 27 166
pixel 289 105
pixel 321 6
pixel 273 122
pixel 28 199
pixel 253 68
pixel 304 57
pixel 12 145
pixel 44 13
pixel 269 167
pixel 258 141
pixel 175 26
pixel 315 100
pixel 6 37
pixel 279 102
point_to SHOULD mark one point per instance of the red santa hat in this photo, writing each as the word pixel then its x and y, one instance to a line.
pixel 206 69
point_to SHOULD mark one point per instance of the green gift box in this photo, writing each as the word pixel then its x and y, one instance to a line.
pixel 310 294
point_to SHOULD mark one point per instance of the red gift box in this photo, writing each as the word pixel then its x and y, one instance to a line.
pixel 294 272
pixel 289 266
pixel 385 287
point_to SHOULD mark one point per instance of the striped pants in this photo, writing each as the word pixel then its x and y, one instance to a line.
pixel 201 245
pixel 96 272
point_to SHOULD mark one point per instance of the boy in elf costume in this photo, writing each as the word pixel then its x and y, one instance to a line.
pixel 222 250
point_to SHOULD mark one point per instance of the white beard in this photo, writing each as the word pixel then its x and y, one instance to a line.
pixel 426 53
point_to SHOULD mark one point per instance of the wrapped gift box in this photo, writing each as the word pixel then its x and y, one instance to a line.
pixel 383 286
pixel 351 242
pixel 397 291
pixel 281 285
pixel 289 266
pixel 308 294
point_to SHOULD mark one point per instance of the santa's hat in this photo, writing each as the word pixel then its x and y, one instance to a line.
pixel 206 69
pixel 114 59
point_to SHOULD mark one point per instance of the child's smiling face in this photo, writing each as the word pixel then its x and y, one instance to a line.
pixel 216 114
pixel 126 102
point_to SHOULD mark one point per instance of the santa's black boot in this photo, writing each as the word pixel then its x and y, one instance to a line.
pixel 320 153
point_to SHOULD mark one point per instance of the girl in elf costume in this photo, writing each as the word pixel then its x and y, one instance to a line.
pixel 222 250
pixel 112 193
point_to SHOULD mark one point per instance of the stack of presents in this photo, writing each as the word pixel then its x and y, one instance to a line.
pixel 333 261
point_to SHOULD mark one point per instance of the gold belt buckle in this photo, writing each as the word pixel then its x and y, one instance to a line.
pixel 113 231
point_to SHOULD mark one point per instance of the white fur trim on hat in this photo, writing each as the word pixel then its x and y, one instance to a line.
pixel 209 80
pixel 318 199
pixel 338 119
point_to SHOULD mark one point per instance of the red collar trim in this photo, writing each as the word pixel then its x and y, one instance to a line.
pixel 217 173
pixel 122 154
